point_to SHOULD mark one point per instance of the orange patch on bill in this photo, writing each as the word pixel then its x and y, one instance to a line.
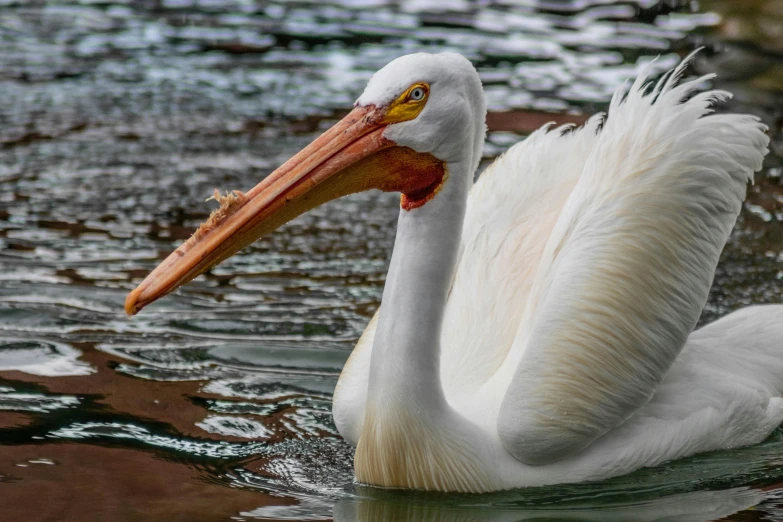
pixel 420 197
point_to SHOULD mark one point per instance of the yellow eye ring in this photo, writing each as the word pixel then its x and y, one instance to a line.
pixel 409 104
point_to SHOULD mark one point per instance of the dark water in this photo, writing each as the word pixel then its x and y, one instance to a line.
pixel 118 118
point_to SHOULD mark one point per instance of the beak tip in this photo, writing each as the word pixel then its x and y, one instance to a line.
pixel 131 303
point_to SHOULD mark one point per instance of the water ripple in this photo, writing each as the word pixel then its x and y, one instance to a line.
pixel 119 118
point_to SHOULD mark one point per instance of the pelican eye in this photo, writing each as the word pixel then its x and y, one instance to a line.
pixel 417 94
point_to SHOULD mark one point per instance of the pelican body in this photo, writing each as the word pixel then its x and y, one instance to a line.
pixel 537 326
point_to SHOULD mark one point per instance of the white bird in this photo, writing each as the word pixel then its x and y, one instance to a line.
pixel 536 327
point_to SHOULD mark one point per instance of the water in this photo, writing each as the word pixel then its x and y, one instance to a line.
pixel 117 120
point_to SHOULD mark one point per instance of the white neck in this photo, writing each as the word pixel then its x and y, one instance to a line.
pixel 411 437
pixel 406 353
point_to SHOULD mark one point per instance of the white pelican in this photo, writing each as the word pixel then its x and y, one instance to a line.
pixel 537 326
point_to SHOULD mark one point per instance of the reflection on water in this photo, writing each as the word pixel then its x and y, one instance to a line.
pixel 685 507
pixel 119 118
pixel 30 402
pixel 42 358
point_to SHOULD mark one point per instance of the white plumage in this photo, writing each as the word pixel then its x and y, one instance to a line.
pixel 535 327
pixel 585 259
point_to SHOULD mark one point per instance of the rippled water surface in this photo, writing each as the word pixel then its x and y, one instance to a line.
pixel 118 118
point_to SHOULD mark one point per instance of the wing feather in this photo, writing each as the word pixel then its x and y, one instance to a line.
pixel 628 265
pixel 350 394
pixel 510 214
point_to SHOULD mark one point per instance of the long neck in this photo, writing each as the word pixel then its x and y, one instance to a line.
pixel 406 351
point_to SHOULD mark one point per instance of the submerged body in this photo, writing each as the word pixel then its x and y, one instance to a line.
pixel 535 327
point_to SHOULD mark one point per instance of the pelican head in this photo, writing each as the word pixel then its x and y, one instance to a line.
pixel 418 115
pixel 453 107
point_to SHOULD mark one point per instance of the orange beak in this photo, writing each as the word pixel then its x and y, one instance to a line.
pixel 353 156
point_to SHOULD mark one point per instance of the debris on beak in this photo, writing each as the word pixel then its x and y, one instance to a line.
pixel 229 204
